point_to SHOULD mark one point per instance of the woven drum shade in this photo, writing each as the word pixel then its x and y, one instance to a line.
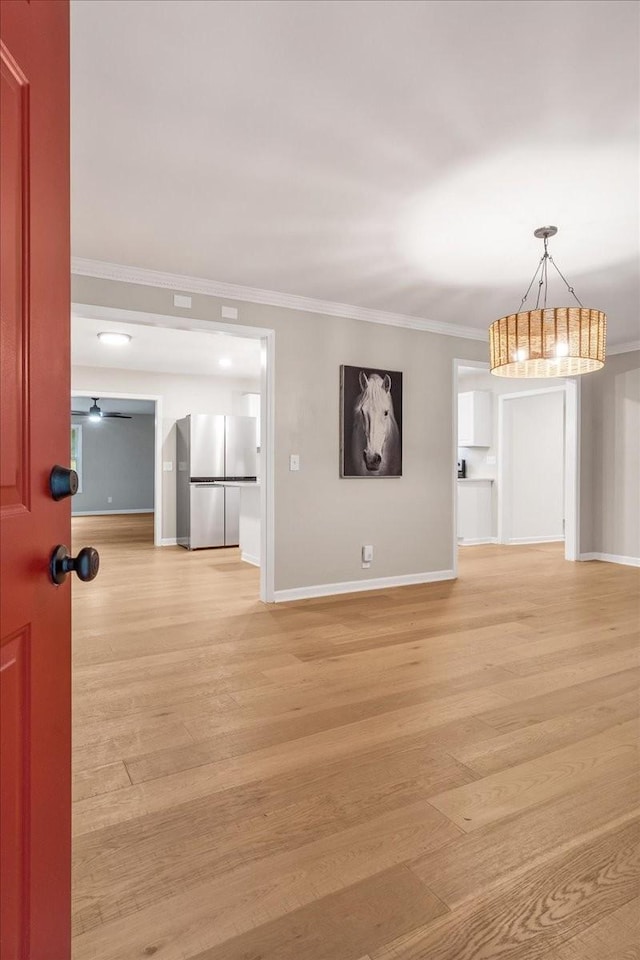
pixel 558 342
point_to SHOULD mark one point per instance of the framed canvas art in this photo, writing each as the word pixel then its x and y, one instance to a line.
pixel 370 422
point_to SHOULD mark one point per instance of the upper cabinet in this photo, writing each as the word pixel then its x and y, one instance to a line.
pixel 251 408
pixel 474 419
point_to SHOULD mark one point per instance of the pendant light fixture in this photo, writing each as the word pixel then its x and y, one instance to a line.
pixel 548 341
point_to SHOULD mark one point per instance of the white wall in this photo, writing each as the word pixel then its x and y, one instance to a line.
pixel 610 476
pixel 321 520
pixel 181 395
pixel 532 468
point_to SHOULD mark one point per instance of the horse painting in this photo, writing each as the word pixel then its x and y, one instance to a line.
pixel 371 441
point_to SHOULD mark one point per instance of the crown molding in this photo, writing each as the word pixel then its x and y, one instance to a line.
pixel 102 270
pixel 623 347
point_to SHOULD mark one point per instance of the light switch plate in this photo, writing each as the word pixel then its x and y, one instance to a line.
pixel 167 466
pixel 179 300
pixel 294 461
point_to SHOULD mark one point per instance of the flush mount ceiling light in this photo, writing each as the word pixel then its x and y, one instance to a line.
pixel 225 362
pixel 114 339
pixel 548 341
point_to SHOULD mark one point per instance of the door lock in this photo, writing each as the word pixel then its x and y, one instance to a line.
pixel 63 482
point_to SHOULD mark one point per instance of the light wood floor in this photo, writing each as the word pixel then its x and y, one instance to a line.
pixel 444 772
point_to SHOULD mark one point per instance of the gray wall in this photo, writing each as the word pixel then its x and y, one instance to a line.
pixel 117 462
pixel 610 466
pixel 321 521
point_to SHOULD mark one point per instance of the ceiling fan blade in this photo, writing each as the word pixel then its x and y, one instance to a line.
pixel 119 416
pixel 79 413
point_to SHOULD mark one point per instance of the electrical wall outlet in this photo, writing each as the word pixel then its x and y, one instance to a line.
pixel 490 460
pixel 229 313
pixel 294 461
pixel 367 553
pixel 167 466
pixel 109 499
pixel 179 300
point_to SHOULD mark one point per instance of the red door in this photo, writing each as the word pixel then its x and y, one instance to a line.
pixel 34 435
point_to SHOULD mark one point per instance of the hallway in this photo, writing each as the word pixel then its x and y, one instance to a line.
pixel 445 771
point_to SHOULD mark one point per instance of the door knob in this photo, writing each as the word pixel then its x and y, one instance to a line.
pixel 63 482
pixel 85 565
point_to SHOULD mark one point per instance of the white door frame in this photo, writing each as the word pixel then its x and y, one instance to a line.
pixel 571 389
pixel 157 450
pixel 479 365
pixel 267 414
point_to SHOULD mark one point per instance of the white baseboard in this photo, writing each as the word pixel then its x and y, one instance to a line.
pixel 168 542
pixel 357 586
pixel 612 558
pixel 520 540
pixel 106 513
pixel 249 558
pixel 475 543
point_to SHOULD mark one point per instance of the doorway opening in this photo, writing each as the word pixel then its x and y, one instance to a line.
pixel 515 452
pixel 230 372
pixel 115 450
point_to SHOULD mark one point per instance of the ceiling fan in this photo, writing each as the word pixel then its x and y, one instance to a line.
pixel 95 414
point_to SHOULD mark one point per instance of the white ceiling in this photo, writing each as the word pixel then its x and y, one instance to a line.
pixel 163 350
pixel 393 155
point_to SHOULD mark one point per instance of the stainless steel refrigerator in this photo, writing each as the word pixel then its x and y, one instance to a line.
pixel 212 451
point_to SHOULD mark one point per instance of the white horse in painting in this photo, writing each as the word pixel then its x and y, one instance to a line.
pixel 375 441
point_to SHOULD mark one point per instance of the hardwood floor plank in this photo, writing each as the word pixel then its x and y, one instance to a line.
pixel 607 754
pixel 614 937
pixel 510 749
pixel 99 779
pixel 153 795
pixel 542 707
pixel 578 672
pixel 533 917
pixel 476 862
pixel 218 738
pixel 193 918
pixel 133 742
pixel 270 818
pixel 340 926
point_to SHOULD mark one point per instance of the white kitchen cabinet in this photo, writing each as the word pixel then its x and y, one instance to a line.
pixel 475 510
pixel 474 419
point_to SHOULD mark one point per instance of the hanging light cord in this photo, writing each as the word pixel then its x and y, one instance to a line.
pixel 544 280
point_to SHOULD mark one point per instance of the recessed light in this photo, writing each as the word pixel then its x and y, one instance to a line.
pixel 114 339
pixel 225 362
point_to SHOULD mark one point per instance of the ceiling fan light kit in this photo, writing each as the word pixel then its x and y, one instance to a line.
pixel 96 415
pixel 548 341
